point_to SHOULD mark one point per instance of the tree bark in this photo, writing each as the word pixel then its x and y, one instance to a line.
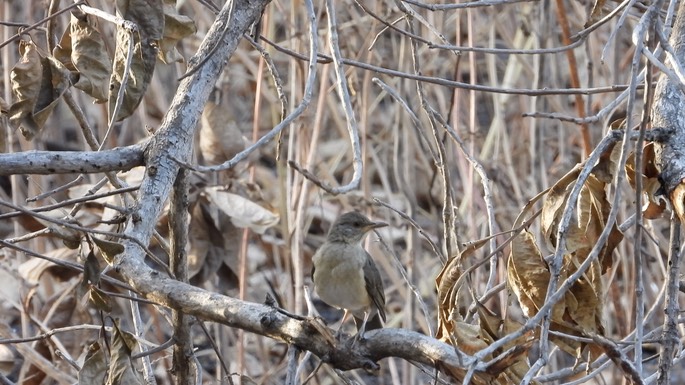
pixel 669 104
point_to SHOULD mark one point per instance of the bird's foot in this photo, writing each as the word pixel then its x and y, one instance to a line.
pixel 319 324
pixel 358 337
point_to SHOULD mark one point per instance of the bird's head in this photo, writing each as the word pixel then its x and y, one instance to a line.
pixel 351 227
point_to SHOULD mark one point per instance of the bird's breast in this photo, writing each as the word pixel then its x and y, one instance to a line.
pixel 339 276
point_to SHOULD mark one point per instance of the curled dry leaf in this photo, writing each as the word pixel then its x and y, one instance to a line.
pixel 89 282
pixel 580 310
pixel 518 368
pixel 176 27
pixel 554 205
pixel 56 80
pixel 82 51
pixel 121 366
pixel 448 283
pixel 586 311
pixel 37 84
pixel 149 17
pixel 470 338
pixel 25 79
pixel 94 366
pixel 243 212
pixel 99 300
pixel 678 200
pixel 528 275
pixel 655 203
pixel 109 249
pixel 91 270
pixel 591 213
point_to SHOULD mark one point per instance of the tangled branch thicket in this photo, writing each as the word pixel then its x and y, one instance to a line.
pixel 170 166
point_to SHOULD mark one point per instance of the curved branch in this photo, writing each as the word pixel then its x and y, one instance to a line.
pixel 270 322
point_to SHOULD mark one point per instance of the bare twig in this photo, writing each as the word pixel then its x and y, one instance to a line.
pixel 670 336
pixel 344 95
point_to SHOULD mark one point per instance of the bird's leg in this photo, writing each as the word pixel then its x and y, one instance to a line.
pixel 342 322
pixel 360 333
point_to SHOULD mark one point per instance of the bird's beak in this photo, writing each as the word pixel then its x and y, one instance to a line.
pixel 374 225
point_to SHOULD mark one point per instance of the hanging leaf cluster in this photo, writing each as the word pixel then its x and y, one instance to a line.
pixel 529 271
pixel 80 59
pixel 488 327
pixel 38 81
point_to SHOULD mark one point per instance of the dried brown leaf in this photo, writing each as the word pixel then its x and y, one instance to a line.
pixel 56 81
pixel 62 51
pixel 582 305
pixel 99 300
pixel 109 249
pixel 591 214
pixel 94 366
pixel 654 205
pixel 527 273
pixel 517 370
pixel 512 365
pixel 89 57
pixel 468 337
pixel 678 200
pixel 176 27
pixel 25 79
pixel 243 212
pixel 587 291
pixel 91 270
pixel 553 206
pixel 121 368
pixel 490 323
pixel 448 285
pixel 149 17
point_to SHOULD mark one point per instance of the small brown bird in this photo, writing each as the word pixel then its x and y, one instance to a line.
pixel 346 277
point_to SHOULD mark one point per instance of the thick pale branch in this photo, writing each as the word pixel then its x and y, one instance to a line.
pixel 66 162
pixel 669 103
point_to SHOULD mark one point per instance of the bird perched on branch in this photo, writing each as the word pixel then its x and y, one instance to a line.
pixel 346 277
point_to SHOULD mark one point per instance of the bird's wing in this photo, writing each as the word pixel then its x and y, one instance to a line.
pixel 374 285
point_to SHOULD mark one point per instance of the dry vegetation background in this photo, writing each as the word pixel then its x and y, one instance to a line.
pixel 449 159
